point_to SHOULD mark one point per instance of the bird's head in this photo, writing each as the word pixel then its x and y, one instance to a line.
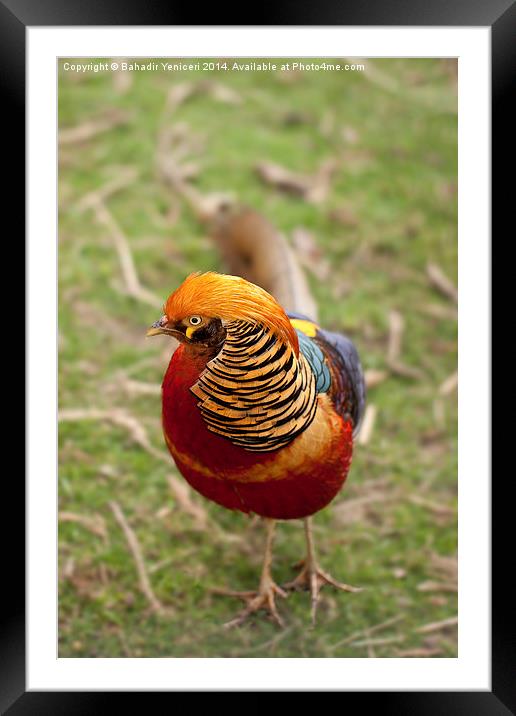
pixel 200 310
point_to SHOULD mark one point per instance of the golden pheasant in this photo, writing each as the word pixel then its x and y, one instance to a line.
pixel 259 413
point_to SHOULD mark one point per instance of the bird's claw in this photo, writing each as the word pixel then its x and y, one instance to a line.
pixel 312 578
pixel 264 598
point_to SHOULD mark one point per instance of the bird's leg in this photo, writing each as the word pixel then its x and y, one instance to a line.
pixel 264 597
pixel 312 577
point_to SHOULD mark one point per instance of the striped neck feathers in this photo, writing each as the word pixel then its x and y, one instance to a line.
pixel 256 392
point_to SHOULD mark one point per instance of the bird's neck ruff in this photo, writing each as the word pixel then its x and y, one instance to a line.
pixel 230 299
pixel 256 392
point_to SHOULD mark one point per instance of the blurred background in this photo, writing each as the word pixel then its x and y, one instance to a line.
pixel 358 170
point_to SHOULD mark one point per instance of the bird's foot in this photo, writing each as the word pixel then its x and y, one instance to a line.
pixel 264 598
pixel 312 578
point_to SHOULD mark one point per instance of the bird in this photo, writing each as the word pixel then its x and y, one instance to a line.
pixel 260 409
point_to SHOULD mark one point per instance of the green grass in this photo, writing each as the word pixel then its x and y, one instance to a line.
pixel 397 177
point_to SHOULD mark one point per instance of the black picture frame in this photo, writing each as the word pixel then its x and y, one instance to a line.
pixel 500 16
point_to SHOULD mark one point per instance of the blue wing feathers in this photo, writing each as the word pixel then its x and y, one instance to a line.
pixel 336 366
pixel 315 357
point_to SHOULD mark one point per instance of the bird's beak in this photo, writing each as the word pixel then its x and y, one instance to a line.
pixel 159 328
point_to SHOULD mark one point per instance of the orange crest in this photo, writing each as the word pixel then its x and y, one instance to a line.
pixel 229 298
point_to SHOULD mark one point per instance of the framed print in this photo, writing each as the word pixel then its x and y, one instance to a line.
pixel 357 161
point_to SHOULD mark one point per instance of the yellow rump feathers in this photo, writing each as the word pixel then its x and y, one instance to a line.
pixel 229 298
pixel 307 327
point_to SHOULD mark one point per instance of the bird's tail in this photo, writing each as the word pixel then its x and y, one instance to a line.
pixel 252 248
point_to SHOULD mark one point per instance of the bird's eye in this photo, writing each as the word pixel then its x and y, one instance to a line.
pixel 195 320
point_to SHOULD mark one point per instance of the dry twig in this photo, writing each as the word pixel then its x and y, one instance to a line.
pixel 131 280
pixel 219 92
pixel 139 435
pixel 437 626
pixel 91 128
pixel 125 176
pixel 174 146
pixel 449 385
pixel 444 566
pixel 374 377
pixel 396 329
pixel 435 310
pixel 366 430
pixel 181 93
pixel 441 282
pixel 378 642
pixel 270 643
pixel 348 511
pixel 122 79
pixel 138 387
pixel 178 94
pixel 95 201
pixel 406 371
pixel 313 189
pixel 309 253
pixel 367 632
pixel 134 547
pixel 183 497
pixel 93 523
pixel 430 97
pixel 418 652
pixel 432 586
pixel 437 508
pixel 116 416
